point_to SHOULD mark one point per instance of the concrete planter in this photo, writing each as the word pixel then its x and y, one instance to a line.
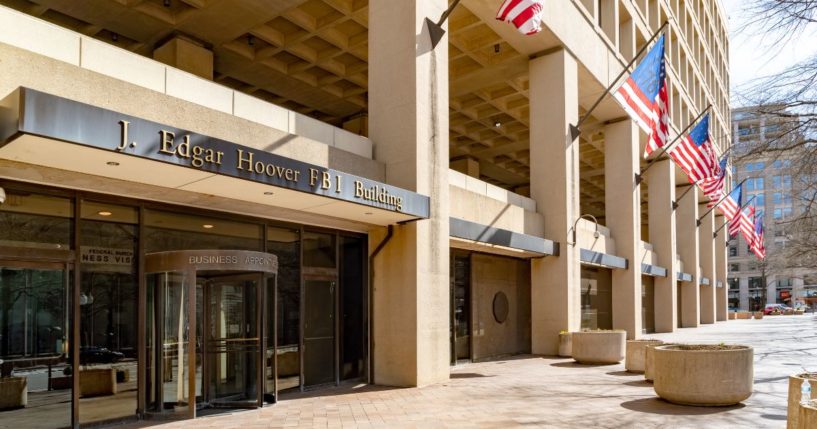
pixel 637 354
pixel 744 315
pixel 794 396
pixel 565 344
pixel 97 382
pixel 788 312
pixel 758 314
pixel 649 361
pixel 733 315
pixel 807 416
pixel 13 392
pixel 599 347
pixel 704 375
pixel 799 312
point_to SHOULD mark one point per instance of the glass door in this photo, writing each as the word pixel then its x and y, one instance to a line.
pixel 231 342
pixel 35 332
pixel 319 331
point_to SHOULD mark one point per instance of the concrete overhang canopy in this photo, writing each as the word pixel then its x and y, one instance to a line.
pixel 604 260
pixel 653 270
pixel 684 277
pixel 41 129
pixel 475 236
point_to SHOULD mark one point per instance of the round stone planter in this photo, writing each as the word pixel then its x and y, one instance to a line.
pixel 599 347
pixel 758 314
pixel 649 360
pixel 637 354
pixel 799 312
pixel 13 393
pixel 807 416
pixel 794 396
pixel 703 375
pixel 565 344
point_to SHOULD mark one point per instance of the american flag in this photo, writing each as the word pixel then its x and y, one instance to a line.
pixel 644 97
pixel 525 15
pixel 713 186
pixel 743 223
pixel 731 203
pixel 757 245
pixel 694 153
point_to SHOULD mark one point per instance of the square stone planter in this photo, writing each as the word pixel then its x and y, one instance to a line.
pixel 744 315
pixel 13 393
pixel 637 354
pixel 794 397
pixel 758 314
pixel 565 344
pixel 599 347
pixel 807 416
pixel 97 382
pixel 733 315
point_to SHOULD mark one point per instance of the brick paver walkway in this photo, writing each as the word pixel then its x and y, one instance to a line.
pixel 534 391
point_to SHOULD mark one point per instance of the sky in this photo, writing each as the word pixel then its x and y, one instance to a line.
pixel 751 56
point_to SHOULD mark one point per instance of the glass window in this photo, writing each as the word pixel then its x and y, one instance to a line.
pixel 733 251
pixel 755 282
pixel 34 220
pixel 319 250
pixel 285 243
pixel 778 213
pixel 165 231
pixel 759 183
pixel 787 212
pixel 776 182
pixel 353 304
pixel 734 283
pixel 777 163
pixel 760 200
pixel 734 267
pixel 108 307
pixel 787 182
pixel 778 198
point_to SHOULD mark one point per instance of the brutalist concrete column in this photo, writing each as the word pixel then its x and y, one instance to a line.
pixel 661 194
pixel 408 121
pixel 554 185
pixel 721 293
pixel 707 254
pixel 771 288
pixel 623 213
pixel 688 249
pixel 743 294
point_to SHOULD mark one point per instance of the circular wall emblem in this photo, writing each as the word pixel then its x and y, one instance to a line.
pixel 501 307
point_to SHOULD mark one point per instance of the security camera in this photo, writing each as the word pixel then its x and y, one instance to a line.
pixel 2 195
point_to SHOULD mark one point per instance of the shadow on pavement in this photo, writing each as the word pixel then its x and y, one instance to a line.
pixel 468 375
pixel 638 383
pixel 579 365
pixel 660 406
pixel 774 417
pixel 625 374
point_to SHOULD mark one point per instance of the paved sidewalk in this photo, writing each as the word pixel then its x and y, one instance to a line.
pixel 534 391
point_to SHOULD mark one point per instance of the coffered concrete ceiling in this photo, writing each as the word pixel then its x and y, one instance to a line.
pixel 311 56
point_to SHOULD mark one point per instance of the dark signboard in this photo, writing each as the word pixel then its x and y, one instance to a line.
pixel 37 113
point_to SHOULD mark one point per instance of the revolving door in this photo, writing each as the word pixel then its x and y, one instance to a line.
pixel 209 334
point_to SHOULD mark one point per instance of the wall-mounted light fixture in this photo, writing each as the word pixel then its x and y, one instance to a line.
pixel 596 233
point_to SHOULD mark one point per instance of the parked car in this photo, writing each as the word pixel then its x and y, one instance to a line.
pixel 98 355
pixel 774 309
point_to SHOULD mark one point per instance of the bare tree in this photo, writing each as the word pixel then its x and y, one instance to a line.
pixel 791 96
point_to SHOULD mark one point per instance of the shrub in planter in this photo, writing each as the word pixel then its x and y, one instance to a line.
pixel 97 382
pixel 565 344
pixel 13 392
pixel 794 396
pixel 704 375
pixel 637 354
pixel 599 347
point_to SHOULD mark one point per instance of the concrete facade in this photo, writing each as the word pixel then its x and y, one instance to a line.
pixel 479 124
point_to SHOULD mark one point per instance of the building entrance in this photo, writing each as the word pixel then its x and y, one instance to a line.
pixel 205 342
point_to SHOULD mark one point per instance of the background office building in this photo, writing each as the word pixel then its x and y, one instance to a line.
pixel 211 203
pixel 781 186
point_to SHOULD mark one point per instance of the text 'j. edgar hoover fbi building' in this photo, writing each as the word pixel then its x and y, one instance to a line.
pixel 214 203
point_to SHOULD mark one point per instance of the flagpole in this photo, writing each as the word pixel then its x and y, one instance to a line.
pixel 715 234
pixel 574 129
pixel 721 200
pixel 639 177
pixel 690 186
pixel 435 30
